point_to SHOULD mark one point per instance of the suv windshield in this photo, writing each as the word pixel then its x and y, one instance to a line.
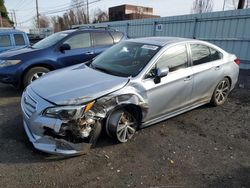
pixel 50 40
pixel 125 59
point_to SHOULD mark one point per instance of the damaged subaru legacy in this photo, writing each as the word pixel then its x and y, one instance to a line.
pixel 132 85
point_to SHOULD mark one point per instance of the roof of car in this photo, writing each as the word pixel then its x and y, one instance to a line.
pixel 161 41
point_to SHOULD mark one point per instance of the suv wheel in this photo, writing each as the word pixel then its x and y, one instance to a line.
pixel 121 125
pixel 34 74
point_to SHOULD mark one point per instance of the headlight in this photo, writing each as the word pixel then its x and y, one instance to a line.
pixel 6 63
pixel 68 112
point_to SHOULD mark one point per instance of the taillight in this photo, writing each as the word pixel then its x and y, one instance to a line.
pixel 237 61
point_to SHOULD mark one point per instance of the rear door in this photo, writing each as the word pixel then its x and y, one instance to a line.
pixel 206 71
pixel 81 50
pixel 102 40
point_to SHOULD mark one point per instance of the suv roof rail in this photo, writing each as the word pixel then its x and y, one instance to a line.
pixel 94 27
pixel 7 28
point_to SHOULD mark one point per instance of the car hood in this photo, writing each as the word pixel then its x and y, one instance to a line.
pixel 76 85
pixel 16 52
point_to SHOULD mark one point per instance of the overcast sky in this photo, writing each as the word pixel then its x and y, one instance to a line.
pixel 25 9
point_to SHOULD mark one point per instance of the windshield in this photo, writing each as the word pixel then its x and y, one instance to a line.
pixel 125 59
pixel 50 40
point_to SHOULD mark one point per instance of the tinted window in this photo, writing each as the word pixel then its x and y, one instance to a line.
pixel 50 40
pixel 117 36
pixel 215 55
pixel 126 58
pixel 19 40
pixel 174 58
pixel 79 41
pixel 5 41
pixel 203 54
pixel 102 38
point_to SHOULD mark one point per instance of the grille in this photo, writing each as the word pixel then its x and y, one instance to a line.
pixel 29 105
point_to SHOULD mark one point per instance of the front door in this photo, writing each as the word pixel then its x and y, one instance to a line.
pixel 81 50
pixel 174 90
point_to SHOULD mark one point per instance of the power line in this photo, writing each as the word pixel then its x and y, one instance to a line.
pixel 69 7
pixel 21 2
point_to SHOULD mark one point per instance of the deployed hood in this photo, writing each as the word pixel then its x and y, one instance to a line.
pixel 16 52
pixel 76 85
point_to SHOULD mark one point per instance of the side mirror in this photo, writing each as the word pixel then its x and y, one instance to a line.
pixel 160 73
pixel 65 47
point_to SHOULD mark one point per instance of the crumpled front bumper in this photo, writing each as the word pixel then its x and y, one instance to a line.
pixel 52 145
pixel 35 124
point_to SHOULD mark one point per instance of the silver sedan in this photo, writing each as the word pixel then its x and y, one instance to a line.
pixel 132 85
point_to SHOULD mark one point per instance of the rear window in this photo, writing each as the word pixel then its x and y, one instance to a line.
pixel 203 54
pixel 5 41
pixel 102 38
pixel 117 36
pixel 19 40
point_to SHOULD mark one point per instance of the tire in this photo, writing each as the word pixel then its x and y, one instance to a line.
pixel 33 74
pixel 121 125
pixel 221 92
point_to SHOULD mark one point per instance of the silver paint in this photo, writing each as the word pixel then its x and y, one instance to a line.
pixel 178 92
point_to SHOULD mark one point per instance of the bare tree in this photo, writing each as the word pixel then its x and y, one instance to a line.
pixel 100 16
pixel 78 9
pixel 55 24
pixel 76 15
pixel 43 22
pixel 202 6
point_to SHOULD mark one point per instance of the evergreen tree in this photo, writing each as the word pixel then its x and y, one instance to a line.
pixel 4 13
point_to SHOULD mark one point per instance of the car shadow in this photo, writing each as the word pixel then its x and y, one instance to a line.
pixel 8 91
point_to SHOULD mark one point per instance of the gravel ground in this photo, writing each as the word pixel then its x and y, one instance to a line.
pixel 206 147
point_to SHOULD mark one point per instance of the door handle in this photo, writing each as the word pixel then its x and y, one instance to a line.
pixel 217 68
pixel 89 53
pixel 188 78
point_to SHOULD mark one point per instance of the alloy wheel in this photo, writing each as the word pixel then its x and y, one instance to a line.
pixel 37 76
pixel 222 91
pixel 126 127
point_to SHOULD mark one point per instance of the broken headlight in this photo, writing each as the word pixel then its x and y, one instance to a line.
pixel 68 112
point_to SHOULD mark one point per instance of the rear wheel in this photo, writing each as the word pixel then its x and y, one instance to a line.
pixel 121 125
pixel 221 92
pixel 34 74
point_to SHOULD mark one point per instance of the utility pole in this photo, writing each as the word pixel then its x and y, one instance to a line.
pixel 1 21
pixel 13 17
pixel 88 11
pixel 37 15
pixel 241 4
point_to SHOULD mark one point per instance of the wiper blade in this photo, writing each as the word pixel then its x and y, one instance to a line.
pixel 101 69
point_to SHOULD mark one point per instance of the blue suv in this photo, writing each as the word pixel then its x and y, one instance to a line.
pixel 23 66
pixel 12 38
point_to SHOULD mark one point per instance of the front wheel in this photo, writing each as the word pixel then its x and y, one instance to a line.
pixel 221 92
pixel 121 125
pixel 34 74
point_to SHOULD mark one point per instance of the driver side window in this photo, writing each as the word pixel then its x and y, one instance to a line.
pixel 174 58
pixel 79 41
